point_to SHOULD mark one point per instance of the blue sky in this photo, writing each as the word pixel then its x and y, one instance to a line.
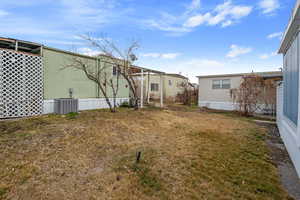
pixel 193 37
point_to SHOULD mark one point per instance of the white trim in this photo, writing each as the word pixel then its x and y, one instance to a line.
pixel 84 104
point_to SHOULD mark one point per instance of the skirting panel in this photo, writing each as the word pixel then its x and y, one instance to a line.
pixel 229 106
pixel 218 105
pixel 85 104
pixel 288 133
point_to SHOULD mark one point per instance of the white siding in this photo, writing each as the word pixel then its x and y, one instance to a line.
pixel 288 131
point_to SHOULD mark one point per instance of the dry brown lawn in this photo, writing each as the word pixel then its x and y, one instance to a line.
pixel 186 154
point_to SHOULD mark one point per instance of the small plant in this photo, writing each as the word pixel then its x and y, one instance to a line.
pixel 72 115
pixel 125 104
pixel 3 191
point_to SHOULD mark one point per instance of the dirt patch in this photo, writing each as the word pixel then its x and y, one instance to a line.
pixel 281 159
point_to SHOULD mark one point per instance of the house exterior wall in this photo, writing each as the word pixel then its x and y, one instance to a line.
pixel 153 79
pixel 217 98
pixel 57 81
pixel 287 110
pixel 171 91
pixel 289 132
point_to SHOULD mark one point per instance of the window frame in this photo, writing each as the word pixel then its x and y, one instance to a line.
pixel 220 84
pixel 154 87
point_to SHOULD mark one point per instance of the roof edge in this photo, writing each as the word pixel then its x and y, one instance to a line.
pixel 240 74
pixel 291 28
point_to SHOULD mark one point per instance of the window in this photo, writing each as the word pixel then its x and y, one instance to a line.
pixel 221 84
pixel 154 86
pixel 170 82
pixel 115 70
pixel 216 84
pixel 226 84
pixel 291 82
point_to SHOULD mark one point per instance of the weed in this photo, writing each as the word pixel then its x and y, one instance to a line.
pixel 3 191
pixel 72 115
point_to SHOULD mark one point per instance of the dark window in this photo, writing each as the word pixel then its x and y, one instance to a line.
pixel 170 82
pixel 115 70
pixel 154 86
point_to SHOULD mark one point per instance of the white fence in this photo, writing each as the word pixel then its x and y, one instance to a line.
pixel 85 104
pixel 288 131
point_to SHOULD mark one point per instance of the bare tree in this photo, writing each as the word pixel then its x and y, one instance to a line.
pixel 114 85
pixel 249 95
pixel 269 95
pixel 189 94
pixel 98 75
pixel 122 59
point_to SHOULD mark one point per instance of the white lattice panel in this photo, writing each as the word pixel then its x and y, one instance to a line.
pixel 21 84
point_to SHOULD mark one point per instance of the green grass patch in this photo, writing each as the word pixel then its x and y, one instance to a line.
pixel 3 191
pixel 72 115
pixel 147 178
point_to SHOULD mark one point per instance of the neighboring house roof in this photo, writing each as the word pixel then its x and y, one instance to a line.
pixel 291 29
pixel 272 74
pixel 176 75
pixel 165 74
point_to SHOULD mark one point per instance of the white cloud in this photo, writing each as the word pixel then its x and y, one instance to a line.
pixel 227 13
pixel 227 23
pixel 195 4
pixel 236 51
pixel 90 13
pixel 224 14
pixel 88 51
pixel 162 55
pixel 197 20
pixel 275 35
pixel 267 56
pixel 269 6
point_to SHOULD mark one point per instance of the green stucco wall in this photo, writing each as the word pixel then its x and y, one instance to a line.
pixel 57 80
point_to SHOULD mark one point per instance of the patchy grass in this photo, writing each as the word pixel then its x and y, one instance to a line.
pixel 72 115
pixel 186 154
